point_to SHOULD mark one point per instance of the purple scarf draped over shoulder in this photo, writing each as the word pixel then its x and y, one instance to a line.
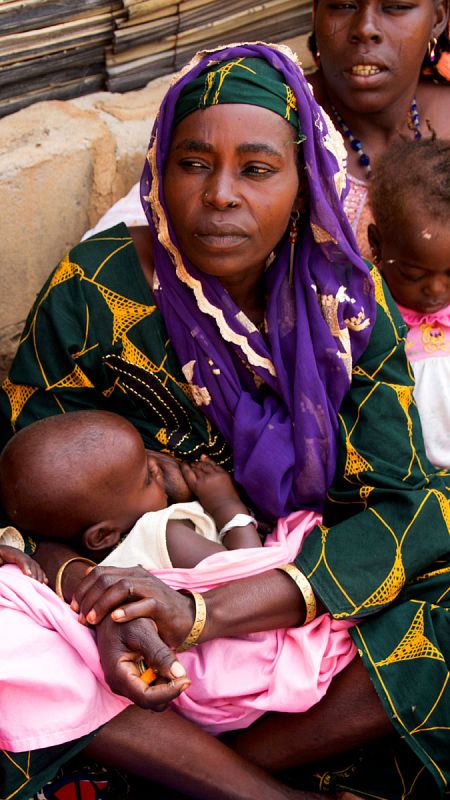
pixel 275 398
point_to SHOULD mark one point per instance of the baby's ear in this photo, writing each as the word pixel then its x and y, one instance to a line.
pixel 101 536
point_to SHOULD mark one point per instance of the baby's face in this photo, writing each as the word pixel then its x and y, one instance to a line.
pixel 129 482
pixel 416 264
pixel 147 491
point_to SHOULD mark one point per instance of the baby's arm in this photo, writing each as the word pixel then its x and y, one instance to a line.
pixel 12 555
pixel 187 547
pixel 216 492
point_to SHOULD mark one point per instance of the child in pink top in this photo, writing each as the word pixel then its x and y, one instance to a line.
pixel 410 239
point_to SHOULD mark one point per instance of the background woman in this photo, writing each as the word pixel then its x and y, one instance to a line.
pixel 242 324
pixel 378 68
pixel 369 79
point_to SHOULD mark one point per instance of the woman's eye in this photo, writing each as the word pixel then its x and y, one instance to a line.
pixel 192 163
pixel 258 170
pixel 341 6
pixel 397 7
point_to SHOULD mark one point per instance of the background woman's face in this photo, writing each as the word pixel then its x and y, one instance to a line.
pixel 230 184
pixel 371 51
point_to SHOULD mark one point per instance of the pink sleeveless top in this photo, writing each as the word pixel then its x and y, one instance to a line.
pixel 356 206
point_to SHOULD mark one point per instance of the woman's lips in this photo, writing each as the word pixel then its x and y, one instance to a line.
pixel 222 238
pixel 365 70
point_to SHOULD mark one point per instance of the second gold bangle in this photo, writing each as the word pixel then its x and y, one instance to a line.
pixel 305 588
pixel 198 624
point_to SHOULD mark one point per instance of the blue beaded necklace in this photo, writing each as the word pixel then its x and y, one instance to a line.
pixel 356 144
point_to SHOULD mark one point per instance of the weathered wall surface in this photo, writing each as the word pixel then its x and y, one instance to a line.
pixel 62 165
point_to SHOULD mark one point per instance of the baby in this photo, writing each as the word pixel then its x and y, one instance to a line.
pixel 85 478
pixel 410 240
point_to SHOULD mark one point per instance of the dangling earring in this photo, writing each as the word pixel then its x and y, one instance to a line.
pixel 432 49
pixel 293 233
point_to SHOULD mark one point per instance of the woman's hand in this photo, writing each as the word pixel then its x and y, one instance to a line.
pixel 105 589
pixel 120 647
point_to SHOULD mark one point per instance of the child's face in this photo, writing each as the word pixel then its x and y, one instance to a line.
pixel 416 263
pixel 147 491
pixel 129 482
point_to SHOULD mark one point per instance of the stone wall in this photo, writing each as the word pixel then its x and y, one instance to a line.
pixel 62 165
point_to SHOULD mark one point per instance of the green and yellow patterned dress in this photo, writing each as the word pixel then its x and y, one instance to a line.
pixel 95 339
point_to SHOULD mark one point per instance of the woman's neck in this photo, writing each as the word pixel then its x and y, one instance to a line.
pixel 246 291
pixel 249 295
pixel 375 129
pixel 144 249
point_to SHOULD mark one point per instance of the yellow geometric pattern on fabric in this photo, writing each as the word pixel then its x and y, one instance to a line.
pixel 17 395
pixel 413 645
pixel 223 73
pixel 133 355
pixel 108 392
pixel 405 398
pixel 74 380
pixel 391 586
pixel 291 102
pixel 23 771
pixel 355 462
pixel 380 297
pixel 444 503
pixel 126 312
pixel 365 492
pixel 162 436
pixel 65 271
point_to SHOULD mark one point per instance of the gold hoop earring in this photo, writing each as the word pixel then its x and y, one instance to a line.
pixel 293 233
pixel 431 49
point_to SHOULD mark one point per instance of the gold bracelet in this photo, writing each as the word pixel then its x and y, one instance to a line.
pixel 59 574
pixel 198 624
pixel 305 588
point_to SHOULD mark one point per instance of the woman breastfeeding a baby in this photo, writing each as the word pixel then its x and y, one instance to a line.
pixel 249 278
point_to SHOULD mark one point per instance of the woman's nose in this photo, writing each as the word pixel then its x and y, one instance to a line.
pixel 366 25
pixel 221 192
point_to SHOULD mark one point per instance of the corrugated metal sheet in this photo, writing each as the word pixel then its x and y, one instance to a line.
pixel 57 49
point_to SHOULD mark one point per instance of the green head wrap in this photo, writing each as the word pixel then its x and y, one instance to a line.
pixel 241 80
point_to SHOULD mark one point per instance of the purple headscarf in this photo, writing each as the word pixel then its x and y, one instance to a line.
pixel 275 399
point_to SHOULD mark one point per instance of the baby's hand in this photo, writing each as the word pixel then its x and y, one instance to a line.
pixel 12 555
pixel 210 483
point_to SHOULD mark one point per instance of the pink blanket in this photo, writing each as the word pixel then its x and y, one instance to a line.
pixel 52 687
pixel 235 681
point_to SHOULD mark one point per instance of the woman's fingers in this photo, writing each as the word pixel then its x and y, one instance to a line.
pixel 158 695
pixel 139 609
pixel 104 588
pixel 122 646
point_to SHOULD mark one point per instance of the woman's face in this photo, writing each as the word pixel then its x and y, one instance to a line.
pixel 230 185
pixel 371 51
